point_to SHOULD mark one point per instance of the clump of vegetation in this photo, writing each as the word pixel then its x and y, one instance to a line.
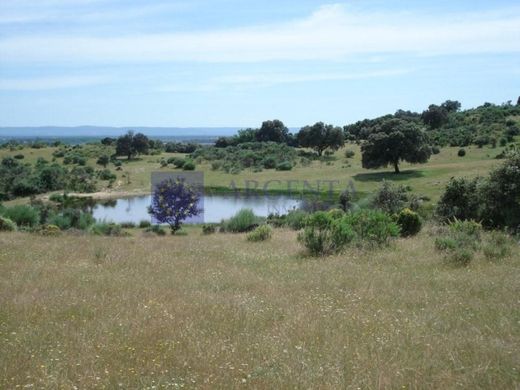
pixel 128 225
pixel 497 246
pixel 261 233
pixel 173 201
pixel 251 155
pixel 330 232
pixel 144 224
pixel 22 215
pixel 284 166
pixel 7 225
pixel 244 220
pixel 50 230
pixel 392 199
pixel 209 228
pixel 409 222
pixel 459 242
pixel 461 152
pixel 494 200
pixel 295 219
pixel 349 153
pixel 106 229
pixel 189 165
pixel 157 229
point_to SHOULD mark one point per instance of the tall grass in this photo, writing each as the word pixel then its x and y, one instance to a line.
pixel 219 312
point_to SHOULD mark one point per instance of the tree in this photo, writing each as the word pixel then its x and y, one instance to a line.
pixel 103 160
pixel 274 131
pixel 451 105
pixel 173 201
pixel 393 141
pixel 131 144
pixel 107 141
pixel 321 137
pixel 435 116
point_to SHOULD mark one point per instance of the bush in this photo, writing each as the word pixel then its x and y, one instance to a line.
pixel 19 156
pixel 157 229
pixel 243 221
pixel 105 174
pixel 284 166
pixel 372 227
pixel 461 152
pixel 128 225
pixel 409 222
pixel 144 224
pixel 6 225
pixel 269 163
pixel 261 233
pixel 459 242
pixel 435 150
pixel 23 215
pixel 390 198
pixel 178 162
pixel 189 165
pixel 50 230
pixel 349 153
pixel 497 246
pixel 295 219
pixel 208 228
pixel 106 229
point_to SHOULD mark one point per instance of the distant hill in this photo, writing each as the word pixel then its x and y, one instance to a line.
pixel 104 131
pixel 82 134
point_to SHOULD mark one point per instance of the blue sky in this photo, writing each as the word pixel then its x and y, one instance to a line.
pixel 236 62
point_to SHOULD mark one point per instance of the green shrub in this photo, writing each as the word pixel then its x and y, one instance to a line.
pixel 261 233
pixel 269 162
pixel 128 225
pixel 189 165
pixel 23 215
pixel 6 225
pixel 349 153
pixel 390 198
pixel 461 152
pixel 435 150
pixel 50 230
pixel 178 162
pixel 284 166
pixel 144 224
pixel 106 229
pixel 19 156
pixel 497 246
pixel 209 228
pixel 295 219
pixel 459 242
pixel 243 221
pixel 372 227
pixel 157 229
pixel 325 235
pixel 409 222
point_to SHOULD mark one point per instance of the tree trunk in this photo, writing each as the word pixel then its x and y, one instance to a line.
pixel 396 167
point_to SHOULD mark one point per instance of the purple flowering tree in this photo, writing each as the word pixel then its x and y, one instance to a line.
pixel 173 201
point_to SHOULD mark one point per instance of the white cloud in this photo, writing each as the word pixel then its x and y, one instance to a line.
pixel 49 83
pixel 331 33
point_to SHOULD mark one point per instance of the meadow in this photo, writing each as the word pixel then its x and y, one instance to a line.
pixel 428 179
pixel 79 311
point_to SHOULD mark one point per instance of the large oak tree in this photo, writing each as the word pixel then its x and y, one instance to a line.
pixel 394 141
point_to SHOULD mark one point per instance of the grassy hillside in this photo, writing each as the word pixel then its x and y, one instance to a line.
pixel 139 312
pixel 427 179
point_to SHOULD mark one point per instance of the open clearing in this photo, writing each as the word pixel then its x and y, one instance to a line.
pixel 98 312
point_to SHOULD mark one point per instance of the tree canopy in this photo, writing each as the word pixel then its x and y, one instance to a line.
pixel 132 144
pixel 173 201
pixel 321 137
pixel 394 141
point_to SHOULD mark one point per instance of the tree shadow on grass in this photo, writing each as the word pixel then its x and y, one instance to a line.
pixel 390 176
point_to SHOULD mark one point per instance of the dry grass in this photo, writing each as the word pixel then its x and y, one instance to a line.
pixel 219 312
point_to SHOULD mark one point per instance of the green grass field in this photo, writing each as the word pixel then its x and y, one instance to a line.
pixel 425 179
pixel 168 312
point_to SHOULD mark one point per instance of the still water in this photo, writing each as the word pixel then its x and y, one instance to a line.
pixel 216 207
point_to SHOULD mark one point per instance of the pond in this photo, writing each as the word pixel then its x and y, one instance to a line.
pixel 216 207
